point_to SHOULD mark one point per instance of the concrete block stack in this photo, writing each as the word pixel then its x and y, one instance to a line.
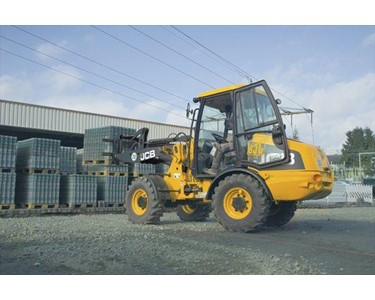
pixel 94 145
pixel 113 170
pixel 8 151
pixel 68 160
pixel 81 169
pixel 37 190
pixel 112 190
pixel 112 180
pixel 38 153
pixel 38 165
pixel 78 190
pixel 143 169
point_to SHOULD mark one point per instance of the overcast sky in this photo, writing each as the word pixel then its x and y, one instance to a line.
pixel 329 69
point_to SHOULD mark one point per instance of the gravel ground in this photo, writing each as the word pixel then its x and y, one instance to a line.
pixel 316 241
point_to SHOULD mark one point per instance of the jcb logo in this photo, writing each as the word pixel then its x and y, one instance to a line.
pixel 147 155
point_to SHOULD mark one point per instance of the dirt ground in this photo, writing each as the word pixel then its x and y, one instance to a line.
pixel 316 241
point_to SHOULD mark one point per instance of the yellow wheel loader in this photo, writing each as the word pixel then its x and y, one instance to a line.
pixel 237 161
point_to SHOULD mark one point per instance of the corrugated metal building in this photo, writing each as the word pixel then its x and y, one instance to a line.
pixel 29 120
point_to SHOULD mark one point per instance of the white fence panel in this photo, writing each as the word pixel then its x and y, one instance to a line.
pixel 345 194
pixel 357 193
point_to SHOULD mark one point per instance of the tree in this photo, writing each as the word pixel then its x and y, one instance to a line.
pixel 358 140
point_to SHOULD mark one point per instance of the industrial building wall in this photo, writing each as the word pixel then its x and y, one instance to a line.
pixel 49 118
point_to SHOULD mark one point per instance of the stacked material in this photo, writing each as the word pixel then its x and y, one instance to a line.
pixel 142 169
pixel 108 170
pixel 94 145
pixel 79 162
pixel 8 150
pixel 78 189
pixel 68 160
pixel 112 189
pixel 37 188
pixel 161 168
pixel 7 188
pixel 38 153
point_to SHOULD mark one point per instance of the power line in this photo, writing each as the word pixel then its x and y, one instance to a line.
pixel 180 54
pixel 100 64
pixel 237 69
pixel 151 56
pixel 200 50
pixel 240 71
pixel 89 72
pixel 88 82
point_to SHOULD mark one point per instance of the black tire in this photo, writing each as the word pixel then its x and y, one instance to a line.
pixel 193 212
pixel 240 203
pixel 142 203
pixel 281 213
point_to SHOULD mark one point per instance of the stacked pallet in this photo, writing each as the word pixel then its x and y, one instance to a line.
pixel 78 190
pixel 112 170
pixel 8 150
pixel 112 190
pixel 68 160
pixel 38 181
pixel 81 169
pixel 143 169
pixel 38 154
pixel 37 190
pixel 112 180
pixel 94 145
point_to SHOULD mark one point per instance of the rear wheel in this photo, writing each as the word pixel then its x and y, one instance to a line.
pixel 142 203
pixel 240 203
pixel 193 212
pixel 281 213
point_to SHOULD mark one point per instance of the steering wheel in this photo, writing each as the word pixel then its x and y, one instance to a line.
pixel 218 138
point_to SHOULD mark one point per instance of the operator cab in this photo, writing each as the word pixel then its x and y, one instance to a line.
pixel 246 116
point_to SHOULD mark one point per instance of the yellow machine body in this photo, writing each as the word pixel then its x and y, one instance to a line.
pixel 314 181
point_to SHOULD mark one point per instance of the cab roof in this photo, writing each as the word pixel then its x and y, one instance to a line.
pixel 219 91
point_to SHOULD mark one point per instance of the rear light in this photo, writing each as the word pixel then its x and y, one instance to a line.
pixel 317 177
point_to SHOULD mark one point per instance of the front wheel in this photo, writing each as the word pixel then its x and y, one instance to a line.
pixel 240 203
pixel 142 203
pixel 193 212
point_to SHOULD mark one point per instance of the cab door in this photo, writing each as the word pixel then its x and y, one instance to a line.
pixel 260 137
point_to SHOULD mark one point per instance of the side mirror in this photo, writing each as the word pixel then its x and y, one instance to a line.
pixel 278 101
pixel 188 110
pixel 277 135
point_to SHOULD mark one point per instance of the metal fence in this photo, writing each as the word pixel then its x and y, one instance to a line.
pixel 346 194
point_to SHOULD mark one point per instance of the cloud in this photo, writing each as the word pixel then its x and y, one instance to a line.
pixel 338 108
pixel 12 88
pixel 57 90
pixel 149 111
pixel 51 50
pixel 369 40
pixel 59 82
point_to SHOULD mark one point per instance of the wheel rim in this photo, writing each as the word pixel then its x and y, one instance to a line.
pixel 237 203
pixel 139 202
pixel 189 209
